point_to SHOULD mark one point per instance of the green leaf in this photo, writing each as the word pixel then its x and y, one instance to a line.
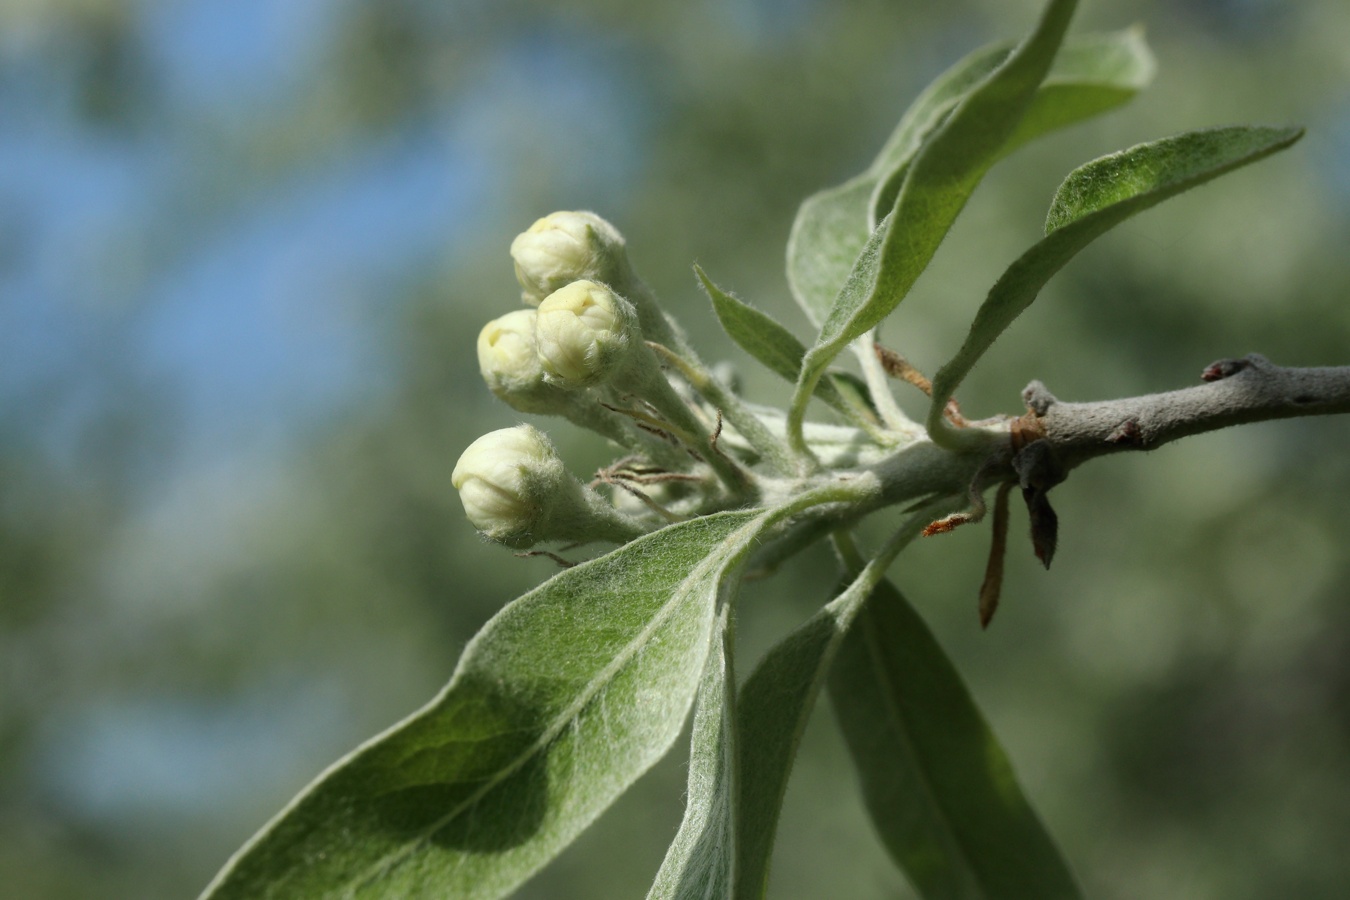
pixel 827 236
pixel 756 332
pixel 738 775
pixel 938 786
pixel 1091 75
pixel 564 698
pixel 701 860
pixel 770 343
pixel 832 226
pixel 772 711
pixel 942 176
pixel 1092 200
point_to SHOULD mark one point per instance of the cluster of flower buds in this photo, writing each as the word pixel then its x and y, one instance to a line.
pixel 582 332
pixel 578 350
pixel 543 360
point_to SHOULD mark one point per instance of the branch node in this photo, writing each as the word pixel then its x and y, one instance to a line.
pixel 1224 368
pixel 1025 430
pixel 1127 434
pixel 1038 398
pixel 1037 466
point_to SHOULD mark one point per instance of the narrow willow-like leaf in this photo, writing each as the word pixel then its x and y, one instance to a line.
pixel 827 235
pixel 738 775
pixel 701 860
pixel 757 333
pixel 564 698
pixel 942 176
pixel 939 180
pixel 1091 75
pixel 832 225
pixel 938 786
pixel 781 352
pixel 1092 200
pixel 772 711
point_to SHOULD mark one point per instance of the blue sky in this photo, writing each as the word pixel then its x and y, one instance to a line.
pixel 253 311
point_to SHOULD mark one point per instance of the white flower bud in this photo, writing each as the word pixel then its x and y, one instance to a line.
pixel 509 361
pixel 565 247
pixel 583 333
pixel 502 479
pixel 516 490
pixel 506 351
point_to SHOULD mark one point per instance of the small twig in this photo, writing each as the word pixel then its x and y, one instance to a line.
pixel 900 368
pixel 712 442
pixel 563 563
pixel 660 477
pixel 620 482
pixel 651 424
pixel 975 492
pixel 639 471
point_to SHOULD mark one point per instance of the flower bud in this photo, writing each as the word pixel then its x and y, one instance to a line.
pixel 583 333
pixel 565 247
pixel 502 479
pixel 509 361
pixel 516 490
pixel 506 353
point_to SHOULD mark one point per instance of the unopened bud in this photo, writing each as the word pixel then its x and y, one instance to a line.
pixel 583 334
pixel 502 479
pixel 509 361
pixel 516 490
pixel 565 247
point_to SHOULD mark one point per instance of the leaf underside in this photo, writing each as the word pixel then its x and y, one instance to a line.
pixel 940 790
pixel 1091 75
pixel 701 861
pixel 938 181
pixel 737 777
pixel 566 697
pixel 779 350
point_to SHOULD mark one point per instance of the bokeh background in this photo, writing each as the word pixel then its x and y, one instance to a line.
pixel 245 248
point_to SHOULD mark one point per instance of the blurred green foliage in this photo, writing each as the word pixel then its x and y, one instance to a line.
pixel 187 637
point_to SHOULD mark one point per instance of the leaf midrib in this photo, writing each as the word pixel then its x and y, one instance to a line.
pixel 902 730
pixel 606 675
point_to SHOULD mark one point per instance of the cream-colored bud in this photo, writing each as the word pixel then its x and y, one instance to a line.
pixel 516 490
pixel 565 247
pixel 502 480
pixel 583 333
pixel 509 361
pixel 506 349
